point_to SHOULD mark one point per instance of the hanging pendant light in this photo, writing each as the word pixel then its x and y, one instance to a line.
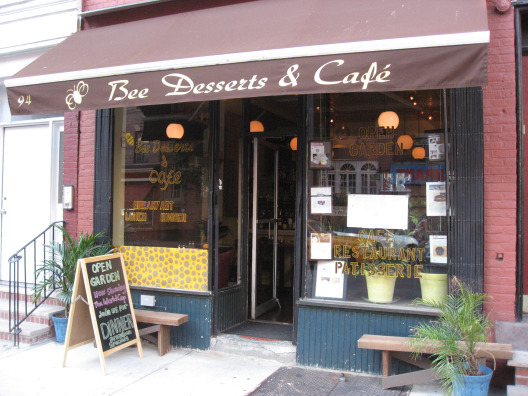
pixel 175 131
pixel 405 142
pixel 418 153
pixel 293 144
pixel 388 120
pixel 256 126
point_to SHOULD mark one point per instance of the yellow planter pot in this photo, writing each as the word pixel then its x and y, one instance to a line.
pixel 434 287
pixel 380 289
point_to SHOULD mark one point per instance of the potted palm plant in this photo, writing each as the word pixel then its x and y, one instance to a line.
pixel 455 335
pixel 58 271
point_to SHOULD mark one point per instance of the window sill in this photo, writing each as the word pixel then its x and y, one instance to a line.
pixel 404 307
pixel 169 290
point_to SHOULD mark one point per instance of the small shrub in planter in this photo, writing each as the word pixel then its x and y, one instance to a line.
pixel 459 327
pixel 58 271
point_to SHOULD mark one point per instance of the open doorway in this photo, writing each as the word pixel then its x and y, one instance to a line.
pixel 267 234
pixel 272 212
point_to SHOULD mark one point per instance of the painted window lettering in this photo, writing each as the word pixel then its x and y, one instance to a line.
pixel 181 84
pixel 370 76
pixel 121 91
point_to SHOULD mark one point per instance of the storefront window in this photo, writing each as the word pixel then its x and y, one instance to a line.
pixel 161 194
pixel 230 192
pixel 376 222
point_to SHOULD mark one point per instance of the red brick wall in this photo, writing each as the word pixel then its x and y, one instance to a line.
pixel 79 143
pixel 500 165
pixel 71 162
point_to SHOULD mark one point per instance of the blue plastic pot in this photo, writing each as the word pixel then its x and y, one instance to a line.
pixel 60 322
pixel 473 385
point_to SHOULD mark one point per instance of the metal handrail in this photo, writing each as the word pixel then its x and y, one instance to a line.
pixel 15 281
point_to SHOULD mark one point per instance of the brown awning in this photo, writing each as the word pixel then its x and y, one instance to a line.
pixel 261 48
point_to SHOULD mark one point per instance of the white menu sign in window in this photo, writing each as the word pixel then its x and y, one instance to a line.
pixel 435 194
pixel 321 200
pixel 329 283
pixel 438 246
pixel 378 211
pixel 320 245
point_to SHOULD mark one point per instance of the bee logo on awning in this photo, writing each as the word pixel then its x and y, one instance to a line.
pixel 76 94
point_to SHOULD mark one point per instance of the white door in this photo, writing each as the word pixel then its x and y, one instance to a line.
pixel 29 196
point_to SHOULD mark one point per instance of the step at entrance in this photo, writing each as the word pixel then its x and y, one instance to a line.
pixel 266 331
pixel 37 327
pixel 279 351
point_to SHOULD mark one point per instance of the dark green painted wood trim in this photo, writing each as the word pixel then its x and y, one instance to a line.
pixel 465 187
pixel 388 308
pixel 196 333
pixel 327 337
pixel 231 304
pixel 103 169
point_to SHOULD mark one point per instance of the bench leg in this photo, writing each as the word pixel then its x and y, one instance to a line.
pixel 386 362
pixel 164 345
pixel 415 377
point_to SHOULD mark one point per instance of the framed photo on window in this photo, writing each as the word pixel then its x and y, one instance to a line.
pixel 320 245
pixel 329 281
pixel 321 154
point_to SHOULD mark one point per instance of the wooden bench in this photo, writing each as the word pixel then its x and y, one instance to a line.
pixel 161 321
pixel 400 348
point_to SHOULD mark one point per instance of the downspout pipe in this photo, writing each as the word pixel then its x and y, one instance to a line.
pixel 520 165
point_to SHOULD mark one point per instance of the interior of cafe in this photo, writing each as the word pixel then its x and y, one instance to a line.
pixel 374 192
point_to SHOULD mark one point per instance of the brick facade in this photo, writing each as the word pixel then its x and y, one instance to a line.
pixel 71 164
pixel 500 180
pixel 79 143
pixel 500 167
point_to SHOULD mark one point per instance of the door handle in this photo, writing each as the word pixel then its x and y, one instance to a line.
pixel 3 211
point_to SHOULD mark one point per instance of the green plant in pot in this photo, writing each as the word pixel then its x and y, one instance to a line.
pixel 58 271
pixel 455 335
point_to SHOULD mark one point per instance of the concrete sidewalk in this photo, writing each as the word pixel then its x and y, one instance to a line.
pixel 38 370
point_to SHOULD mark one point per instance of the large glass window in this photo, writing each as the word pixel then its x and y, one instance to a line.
pixel 161 178
pixel 230 193
pixel 376 221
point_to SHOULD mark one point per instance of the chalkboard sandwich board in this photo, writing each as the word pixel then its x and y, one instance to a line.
pixel 101 296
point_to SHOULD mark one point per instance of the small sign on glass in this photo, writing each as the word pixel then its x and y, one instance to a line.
pixel 320 246
pixel 321 155
pixel 321 200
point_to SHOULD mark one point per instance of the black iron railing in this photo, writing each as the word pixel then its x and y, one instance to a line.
pixel 23 277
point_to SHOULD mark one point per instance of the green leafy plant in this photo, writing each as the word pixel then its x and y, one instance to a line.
pixel 58 271
pixel 455 334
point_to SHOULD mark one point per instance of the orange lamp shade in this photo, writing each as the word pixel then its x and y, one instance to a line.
pixel 405 142
pixel 293 144
pixel 256 126
pixel 388 119
pixel 418 153
pixel 175 131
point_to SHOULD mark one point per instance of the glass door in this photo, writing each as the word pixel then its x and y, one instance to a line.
pixel 265 222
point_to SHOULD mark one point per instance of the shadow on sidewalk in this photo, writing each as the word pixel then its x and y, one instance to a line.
pixel 296 381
